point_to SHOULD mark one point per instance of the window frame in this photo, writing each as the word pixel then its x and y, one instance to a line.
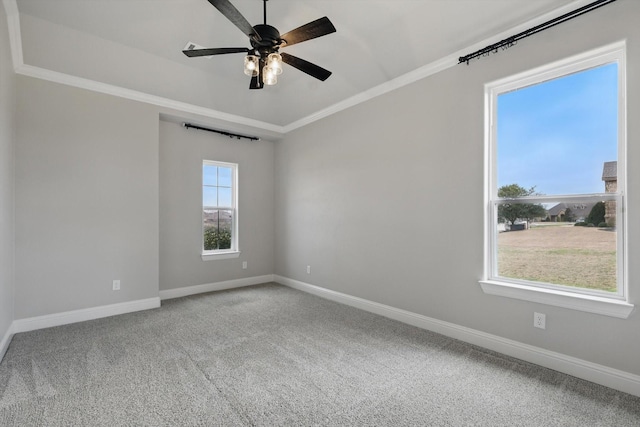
pixel 615 305
pixel 234 251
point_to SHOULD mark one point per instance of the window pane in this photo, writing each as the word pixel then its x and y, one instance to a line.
pixel 219 208
pixel 210 238
pixel 224 196
pixel 209 175
pixel 218 226
pixel 556 135
pixel 224 177
pixel 209 196
pixel 559 250
pixel 225 227
pixel 210 217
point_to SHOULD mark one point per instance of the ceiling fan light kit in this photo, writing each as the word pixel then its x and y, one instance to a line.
pixel 269 77
pixel 274 63
pixel 251 65
pixel 263 62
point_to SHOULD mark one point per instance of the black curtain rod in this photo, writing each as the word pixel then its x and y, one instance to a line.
pixel 513 40
pixel 222 132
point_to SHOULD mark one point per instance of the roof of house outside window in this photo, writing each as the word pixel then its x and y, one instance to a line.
pixel 577 209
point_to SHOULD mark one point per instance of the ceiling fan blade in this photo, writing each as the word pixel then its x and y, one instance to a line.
pixel 214 51
pixel 232 14
pixel 256 83
pixel 318 28
pixel 306 66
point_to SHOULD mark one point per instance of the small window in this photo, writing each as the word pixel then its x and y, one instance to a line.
pixel 555 224
pixel 219 210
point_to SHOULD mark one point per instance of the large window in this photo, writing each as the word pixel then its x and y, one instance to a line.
pixel 219 210
pixel 556 141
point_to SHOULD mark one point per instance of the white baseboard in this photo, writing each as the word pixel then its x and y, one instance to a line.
pixel 218 286
pixel 599 374
pixel 6 340
pixel 57 319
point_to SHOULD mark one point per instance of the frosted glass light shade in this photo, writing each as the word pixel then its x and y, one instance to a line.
pixel 268 76
pixel 274 62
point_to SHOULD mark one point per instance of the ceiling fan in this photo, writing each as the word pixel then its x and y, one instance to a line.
pixel 264 61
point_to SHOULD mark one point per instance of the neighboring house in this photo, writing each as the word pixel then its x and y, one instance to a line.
pixel 577 211
pixel 610 178
pixel 580 211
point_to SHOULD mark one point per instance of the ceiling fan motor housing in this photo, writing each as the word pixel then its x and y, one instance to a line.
pixel 270 39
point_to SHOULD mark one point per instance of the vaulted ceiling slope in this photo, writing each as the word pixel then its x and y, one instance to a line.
pixel 133 48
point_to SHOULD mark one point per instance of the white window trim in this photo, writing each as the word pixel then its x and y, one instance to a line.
pixel 617 305
pixel 234 252
pixel 210 256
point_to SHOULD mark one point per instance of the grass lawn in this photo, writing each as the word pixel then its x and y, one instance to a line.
pixel 566 255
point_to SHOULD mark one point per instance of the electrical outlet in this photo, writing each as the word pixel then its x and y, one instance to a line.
pixel 116 285
pixel 244 265
pixel 539 320
pixel 308 269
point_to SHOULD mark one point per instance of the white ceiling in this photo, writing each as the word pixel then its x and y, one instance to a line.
pixel 136 45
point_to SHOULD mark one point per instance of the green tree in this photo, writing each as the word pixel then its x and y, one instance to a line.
pixel 596 216
pixel 511 212
pixel 569 216
pixel 215 238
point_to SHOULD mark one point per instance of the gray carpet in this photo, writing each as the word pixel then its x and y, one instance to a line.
pixel 269 355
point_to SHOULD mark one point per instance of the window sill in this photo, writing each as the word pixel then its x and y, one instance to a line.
pixel 588 303
pixel 220 255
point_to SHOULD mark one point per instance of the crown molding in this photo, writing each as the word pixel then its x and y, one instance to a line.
pixel 397 83
pixel 434 67
pixel 92 85
pixel 15 37
pixel 277 131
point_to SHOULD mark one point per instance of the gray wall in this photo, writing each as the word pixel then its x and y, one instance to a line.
pixel 7 105
pixel 181 155
pixel 384 200
pixel 86 199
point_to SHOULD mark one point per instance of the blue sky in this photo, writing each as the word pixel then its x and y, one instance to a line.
pixel 556 135
pixel 217 186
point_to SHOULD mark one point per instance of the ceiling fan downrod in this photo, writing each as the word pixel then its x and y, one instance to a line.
pixel 265 10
